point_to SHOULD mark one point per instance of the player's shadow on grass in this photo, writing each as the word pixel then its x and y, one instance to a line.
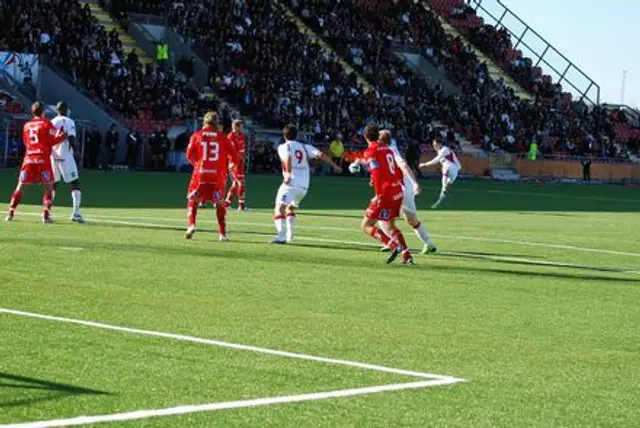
pixel 50 390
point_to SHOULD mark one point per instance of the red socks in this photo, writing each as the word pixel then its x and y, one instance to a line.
pixel 379 235
pixel 221 213
pixel 233 190
pixel 192 212
pixel 241 190
pixel 399 238
pixel 16 197
pixel 47 201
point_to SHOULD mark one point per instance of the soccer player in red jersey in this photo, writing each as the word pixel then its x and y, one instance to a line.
pixel 39 136
pixel 387 202
pixel 237 170
pixel 209 151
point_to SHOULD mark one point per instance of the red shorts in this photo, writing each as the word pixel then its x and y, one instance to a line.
pixel 237 172
pixel 206 191
pixel 385 209
pixel 34 173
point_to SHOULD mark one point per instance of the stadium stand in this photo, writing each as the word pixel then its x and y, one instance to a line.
pixel 94 59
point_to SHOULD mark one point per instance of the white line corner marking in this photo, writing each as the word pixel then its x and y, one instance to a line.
pixel 427 379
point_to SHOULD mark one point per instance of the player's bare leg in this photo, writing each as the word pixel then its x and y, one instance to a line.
pixel 402 247
pixel 291 222
pixel 47 203
pixel 221 215
pixel 192 214
pixel 16 197
pixel 279 217
pixel 384 228
pixel 420 231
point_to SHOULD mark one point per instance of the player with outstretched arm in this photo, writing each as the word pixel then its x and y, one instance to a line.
pixel 295 158
pixel 411 189
pixel 39 137
pixel 450 169
pixel 209 152
pixel 386 204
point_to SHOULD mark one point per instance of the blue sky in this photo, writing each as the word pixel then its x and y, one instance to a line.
pixel 601 37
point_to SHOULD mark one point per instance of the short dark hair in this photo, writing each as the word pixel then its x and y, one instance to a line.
pixel 372 132
pixel 62 108
pixel 290 132
pixel 37 109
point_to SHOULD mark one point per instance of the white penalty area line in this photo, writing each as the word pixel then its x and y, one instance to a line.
pixel 428 379
pixel 98 218
pixel 212 407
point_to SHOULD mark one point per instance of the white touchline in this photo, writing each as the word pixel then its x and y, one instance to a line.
pixel 211 407
pixel 105 219
pixel 428 379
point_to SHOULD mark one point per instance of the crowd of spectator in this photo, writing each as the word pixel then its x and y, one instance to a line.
pixel 66 33
pixel 261 62
pixel 487 112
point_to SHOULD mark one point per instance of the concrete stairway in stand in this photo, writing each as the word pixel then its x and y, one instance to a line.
pixel 128 43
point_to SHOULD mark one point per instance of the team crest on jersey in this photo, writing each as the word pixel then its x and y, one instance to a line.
pixel 373 164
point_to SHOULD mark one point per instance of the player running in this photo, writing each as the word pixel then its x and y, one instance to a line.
pixel 295 171
pixel 411 189
pixel 39 137
pixel 387 201
pixel 64 164
pixel 237 171
pixel 208 152
pixel 450 169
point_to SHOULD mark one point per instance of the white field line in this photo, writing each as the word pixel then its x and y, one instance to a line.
pixel 237 346
pixel 432 380
pixel 211 407
pixel 117 220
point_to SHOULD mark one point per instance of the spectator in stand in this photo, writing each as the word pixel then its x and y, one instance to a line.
pixel 133 140
pixel 159 147
pixel 111 141
pixel 336 148
pixel 94 147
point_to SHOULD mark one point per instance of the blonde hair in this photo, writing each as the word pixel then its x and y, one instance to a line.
pixel 211 118
pixel 385 136
pixel 236 124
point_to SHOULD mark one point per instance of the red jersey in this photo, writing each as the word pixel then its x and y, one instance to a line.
pixel 39 136
pixel 239 143
pixel 384 170
pixel 210 152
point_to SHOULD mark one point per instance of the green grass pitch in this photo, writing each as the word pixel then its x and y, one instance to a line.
pixel 534 300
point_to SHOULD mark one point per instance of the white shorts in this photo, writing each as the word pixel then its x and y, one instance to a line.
pixel 449 176
pixel 288 195
pixel 66 170
pixel 408 198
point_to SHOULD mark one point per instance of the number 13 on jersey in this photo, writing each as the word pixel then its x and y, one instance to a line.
pixel 210 151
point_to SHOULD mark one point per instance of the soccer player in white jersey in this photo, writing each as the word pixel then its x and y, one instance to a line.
pixel 294 157
pixel 64 164
pixel 450 168
pixel 411 189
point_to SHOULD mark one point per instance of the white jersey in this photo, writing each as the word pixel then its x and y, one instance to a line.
pixel 63 150
pixel 448 159
pixel 400 159
pixel 300 155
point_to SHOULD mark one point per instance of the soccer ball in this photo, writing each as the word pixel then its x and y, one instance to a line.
pixel 354 168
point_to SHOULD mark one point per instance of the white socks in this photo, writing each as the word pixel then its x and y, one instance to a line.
pixel 280 226
pixel 421 233
pixel 76 196
pixel 291 221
